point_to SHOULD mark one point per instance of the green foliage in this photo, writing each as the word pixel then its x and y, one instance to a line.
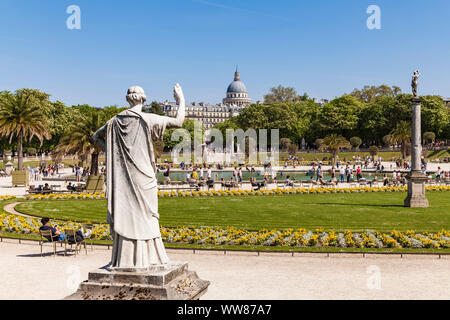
pixel 401 134
pixel 155 108
pixel 23 116
pixel 355 142
pixel 31 151
pixel 371 93
pixel 429 136
pixel 334 143
pixel 373 150
pixel 340 116
pixel 189 125
pixel 78 139
pixel 281 94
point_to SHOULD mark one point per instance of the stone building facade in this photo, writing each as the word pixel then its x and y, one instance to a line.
pixel 209 115
pixel 447 102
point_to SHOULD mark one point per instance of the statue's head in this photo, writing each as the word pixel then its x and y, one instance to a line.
pixel 136 95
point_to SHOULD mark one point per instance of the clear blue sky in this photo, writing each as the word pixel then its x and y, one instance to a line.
pixel 321 47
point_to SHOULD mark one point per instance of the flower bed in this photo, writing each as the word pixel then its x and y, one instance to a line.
pixel 7 197
pixel 239 237
pixel 67 196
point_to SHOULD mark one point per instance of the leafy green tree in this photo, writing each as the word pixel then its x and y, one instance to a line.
pixel 334 143
pixel 369 94
pixel 340 116
pixel 78 140
pixel 22 116
pixel 373 150
pixel 156 108
pixel 355 142
pixel 268 116
pixel 429 137
pixel 378 118
pixel 188 125
pixel 281 94
pixel 401 134
pixel 435 115
pixel 110 112
pixel 284 143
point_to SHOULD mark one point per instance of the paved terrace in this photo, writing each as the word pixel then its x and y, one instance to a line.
pixel 24 274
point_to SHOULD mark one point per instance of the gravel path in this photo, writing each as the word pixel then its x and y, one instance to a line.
pixel 24 274
pixel 11 208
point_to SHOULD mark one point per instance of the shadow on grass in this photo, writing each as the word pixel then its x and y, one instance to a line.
pixel 364 205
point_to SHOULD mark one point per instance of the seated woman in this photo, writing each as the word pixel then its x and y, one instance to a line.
pixel 334 181
pixel 289 181
pixel 374 180
pixel 311 180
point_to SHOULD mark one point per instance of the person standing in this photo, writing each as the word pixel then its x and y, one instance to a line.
pixel 342 174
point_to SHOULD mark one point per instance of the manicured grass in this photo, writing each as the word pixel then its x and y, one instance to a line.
pixel 438 154
pixel 355 212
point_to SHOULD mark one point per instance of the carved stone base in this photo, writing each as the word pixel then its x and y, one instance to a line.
pixel 168 282
pixel 416 191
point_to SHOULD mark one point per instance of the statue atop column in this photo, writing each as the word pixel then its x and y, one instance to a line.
pixel 416 179
pixel 415 83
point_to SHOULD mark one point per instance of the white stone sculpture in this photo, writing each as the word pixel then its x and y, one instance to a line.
pixel 132 191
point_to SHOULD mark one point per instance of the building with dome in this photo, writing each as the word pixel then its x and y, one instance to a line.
pixel 209 115
pixel 237 94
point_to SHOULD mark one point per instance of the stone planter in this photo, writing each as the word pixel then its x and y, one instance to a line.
pixel 95 184
pixel 20 178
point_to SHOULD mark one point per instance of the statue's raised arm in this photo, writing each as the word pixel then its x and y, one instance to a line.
pixel 179 98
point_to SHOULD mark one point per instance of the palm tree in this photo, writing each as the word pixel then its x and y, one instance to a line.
pixel 78 140
pixel 334 143
pixel 401 134
pixel 21 116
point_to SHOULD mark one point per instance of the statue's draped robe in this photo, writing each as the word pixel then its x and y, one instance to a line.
pixel 132 189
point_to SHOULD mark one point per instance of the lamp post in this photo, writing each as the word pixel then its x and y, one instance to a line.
pixel 416 178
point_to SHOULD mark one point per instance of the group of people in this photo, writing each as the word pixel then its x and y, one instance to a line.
pixel 57 235
pixel 39 172
pixel 81 173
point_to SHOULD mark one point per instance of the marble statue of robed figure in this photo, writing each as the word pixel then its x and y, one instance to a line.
pixel 132 191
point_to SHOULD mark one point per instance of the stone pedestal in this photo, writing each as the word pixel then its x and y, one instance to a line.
pixel 416 190
pixel 168 282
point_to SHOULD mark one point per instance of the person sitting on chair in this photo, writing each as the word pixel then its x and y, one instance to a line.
pixel 289 181
pixel 58 235
pixel 210 183
pixel 46 187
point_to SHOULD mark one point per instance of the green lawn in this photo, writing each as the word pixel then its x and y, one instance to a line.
pixel 355 212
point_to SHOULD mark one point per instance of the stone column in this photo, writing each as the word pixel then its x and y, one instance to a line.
pixel 416 179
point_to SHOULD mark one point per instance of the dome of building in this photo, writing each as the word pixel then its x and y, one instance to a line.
pixel 237 85
pixel 237 93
